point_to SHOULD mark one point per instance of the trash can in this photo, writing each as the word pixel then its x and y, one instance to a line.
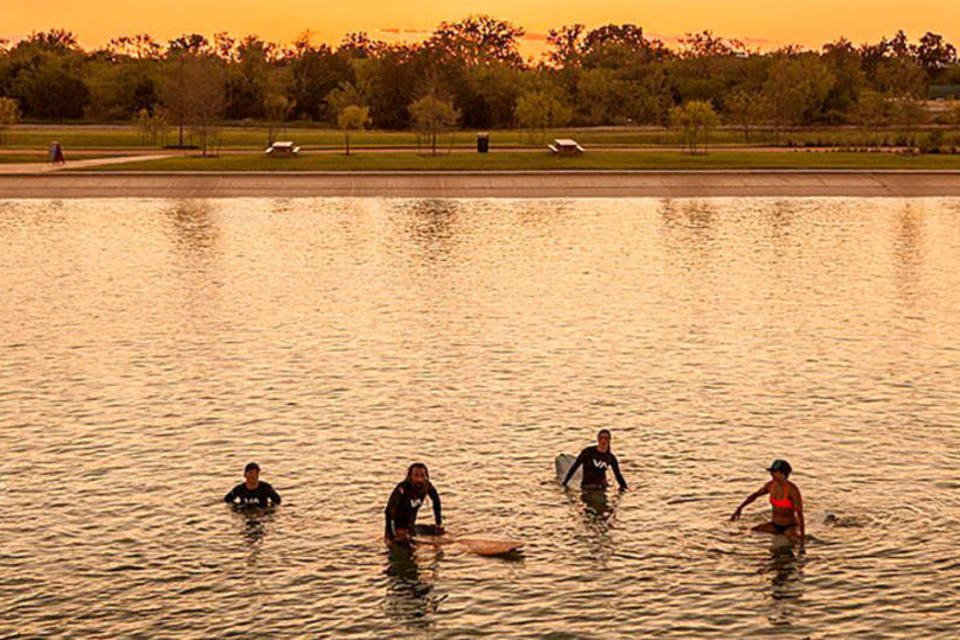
pixel 483 142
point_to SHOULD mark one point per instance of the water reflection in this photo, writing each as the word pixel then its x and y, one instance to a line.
pixel 908 248
pixel 598 506
pixel 255 523
pixel 784 565
pixel 410 596
pixel 597 519
pixel 432 225
pixel 192 227
pixel 344 338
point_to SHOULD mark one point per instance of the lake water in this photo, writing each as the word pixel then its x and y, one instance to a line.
pixel 150 348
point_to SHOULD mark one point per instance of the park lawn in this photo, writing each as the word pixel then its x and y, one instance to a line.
pixel 38 157
pixel 22 158
pixel 526 161
pixel 254 137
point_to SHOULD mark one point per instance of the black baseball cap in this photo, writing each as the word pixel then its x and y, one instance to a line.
pixel 251 466
pixel 780 465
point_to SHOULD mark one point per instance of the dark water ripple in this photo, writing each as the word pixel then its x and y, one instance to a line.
pixel 149 348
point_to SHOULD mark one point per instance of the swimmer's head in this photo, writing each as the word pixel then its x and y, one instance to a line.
pixel 603 439
pixel 418 475
pixel 251 472
pixel 782 466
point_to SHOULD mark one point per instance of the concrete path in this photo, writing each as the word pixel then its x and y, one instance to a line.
pixel 504 184
pixel 20 168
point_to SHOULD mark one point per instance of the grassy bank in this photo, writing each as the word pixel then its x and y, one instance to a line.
pixel 251 138
pixel 524 161
pixel 27 157
pixel 20 158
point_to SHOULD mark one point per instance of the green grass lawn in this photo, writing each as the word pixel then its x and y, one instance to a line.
pixel 251 137
pixel 27 157
pixel 18 158
pixel 520 161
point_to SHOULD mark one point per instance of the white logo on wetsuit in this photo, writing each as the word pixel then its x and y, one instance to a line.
pixel 416 502
pixel 600 464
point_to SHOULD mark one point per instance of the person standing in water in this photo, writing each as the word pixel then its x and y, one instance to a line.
pixel 595 462
pixel 405 502
pixel 787 503
pixel 252 492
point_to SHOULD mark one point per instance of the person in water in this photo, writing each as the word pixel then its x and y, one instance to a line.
pixel 252 492
pixel 405 501
pixel 595 462
pixel 786 500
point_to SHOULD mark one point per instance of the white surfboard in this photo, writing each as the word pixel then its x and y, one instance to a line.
pixel 563 462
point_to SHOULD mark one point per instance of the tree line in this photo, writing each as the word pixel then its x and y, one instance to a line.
pixel 471 74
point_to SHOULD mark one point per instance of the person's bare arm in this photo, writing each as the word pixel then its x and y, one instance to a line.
pixel 798 508
pixel 765 489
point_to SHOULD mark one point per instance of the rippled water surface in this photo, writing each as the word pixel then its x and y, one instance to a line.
pixel 150 348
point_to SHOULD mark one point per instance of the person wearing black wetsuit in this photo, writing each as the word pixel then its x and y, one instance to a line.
pixel 252 492
pixel 405 501
pixel 595 462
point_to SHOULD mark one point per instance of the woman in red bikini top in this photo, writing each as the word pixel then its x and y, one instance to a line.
pixel 786 502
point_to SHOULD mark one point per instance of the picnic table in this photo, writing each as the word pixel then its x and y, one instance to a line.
pixel 565 146
pixel 282 149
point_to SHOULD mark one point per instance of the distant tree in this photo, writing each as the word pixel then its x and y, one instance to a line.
pixel 707 45
pixel 953 117
pixel 9 116
pixel 695 120
pixel 903 84
pixel 871 113
pixel 152 126
pixel 316 71
pixel 565 46
pixel 52 88
pixel 247 76
pixel 276 110
pixel 207 96
pixel 193 89
pixel 432 115
pixel 352 117
pixel 742 108
pixel 843 61
pixel 934 54
pixel 119 89
pixel 56 40
pixel 347 94
pixel 139 47
pixel 173 90
pixel 796 89
pixel 477 40
pixel 538 111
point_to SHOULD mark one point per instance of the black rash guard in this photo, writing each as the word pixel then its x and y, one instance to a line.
pixel 405 501
pixel 241 496
pixel 595 466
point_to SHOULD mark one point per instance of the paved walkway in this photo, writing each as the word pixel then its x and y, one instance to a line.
pixel 46 167
pixel 501 184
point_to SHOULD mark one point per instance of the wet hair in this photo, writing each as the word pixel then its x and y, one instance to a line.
pixel 418 465
pixel 604 431
pixel 250 467
pixel 782 466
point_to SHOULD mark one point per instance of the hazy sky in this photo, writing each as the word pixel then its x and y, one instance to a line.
pixel 764 23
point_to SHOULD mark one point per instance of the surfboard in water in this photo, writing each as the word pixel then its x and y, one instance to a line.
pixel 563 462
pixel 479 546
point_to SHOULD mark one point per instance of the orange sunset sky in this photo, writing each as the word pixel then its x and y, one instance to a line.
pixel 764 24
